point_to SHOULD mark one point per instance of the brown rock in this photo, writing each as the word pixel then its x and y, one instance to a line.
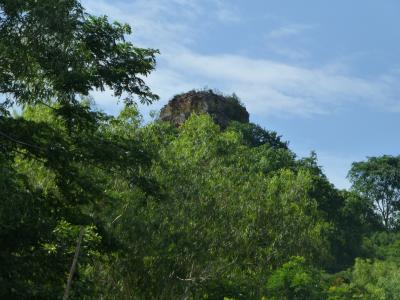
pixel 222 109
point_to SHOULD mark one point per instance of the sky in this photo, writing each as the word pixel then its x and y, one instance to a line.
pixel 323 74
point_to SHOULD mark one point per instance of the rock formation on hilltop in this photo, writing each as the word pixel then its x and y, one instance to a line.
pixel 222 109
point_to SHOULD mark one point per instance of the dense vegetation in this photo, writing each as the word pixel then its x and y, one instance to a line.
pixel 194 212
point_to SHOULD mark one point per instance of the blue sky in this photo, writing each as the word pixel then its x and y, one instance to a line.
pixel 323 74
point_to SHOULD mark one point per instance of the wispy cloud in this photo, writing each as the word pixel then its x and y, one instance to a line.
pixel 288 31
pixel 266 86
pixel 154 22
pixel 273 87
pixel 226 13
pixel 292 53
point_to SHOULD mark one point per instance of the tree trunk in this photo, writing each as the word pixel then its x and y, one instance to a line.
pixel 73 266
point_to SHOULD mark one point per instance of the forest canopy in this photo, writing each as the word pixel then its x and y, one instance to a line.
pixel 158 211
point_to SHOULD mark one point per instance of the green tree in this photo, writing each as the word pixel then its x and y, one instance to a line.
pixel 369 280
pixel 382 245
pixel 378 181
pixel 255 136
pixel 349 216
pixel 295 280
pixel 54 156
pixel 227 214
pixel 53 50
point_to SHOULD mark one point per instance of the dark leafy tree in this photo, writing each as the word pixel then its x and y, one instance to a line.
pixel 295 280
pixel 351 218
pixel 255 136
pixel 378 181
pixel 52 54
pixel 53 51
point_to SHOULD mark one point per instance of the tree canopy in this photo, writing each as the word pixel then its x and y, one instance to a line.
pixel 52 54
pixel 378 180
pixel 54 51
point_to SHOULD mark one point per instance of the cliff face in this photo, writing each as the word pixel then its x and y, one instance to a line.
pixel 221 109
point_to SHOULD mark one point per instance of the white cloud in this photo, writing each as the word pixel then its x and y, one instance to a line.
pixel 273 87
pixel 266 86
pixel 282 41
pixel 288 31
pixel 289 52
pixel 152 21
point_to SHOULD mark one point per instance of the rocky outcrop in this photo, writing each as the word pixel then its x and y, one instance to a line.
pixel 222 109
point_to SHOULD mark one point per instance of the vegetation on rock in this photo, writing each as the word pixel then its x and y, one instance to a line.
pixel 223 109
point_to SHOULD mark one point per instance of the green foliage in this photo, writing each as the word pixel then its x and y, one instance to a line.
pixel 190 212
pixel 370 280
pixel 255 136
pixel 53 50
pixel 55 155
pixel 224 213
pixel 378 181
pixel 56 186
pixel 342 210
pixel 382 245
pixel 295 280
pixel 194 212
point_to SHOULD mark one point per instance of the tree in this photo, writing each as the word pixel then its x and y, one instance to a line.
pixel 378 181
pixel 53 155
pixel 254 135
pixel 295 280
pixel 53 51
pixel 370 280
pixel 348 214
pixel 227 215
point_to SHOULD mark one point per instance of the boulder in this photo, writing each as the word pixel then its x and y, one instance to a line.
pixel 222 109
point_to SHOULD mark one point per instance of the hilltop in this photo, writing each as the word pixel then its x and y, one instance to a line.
pixel 223 109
